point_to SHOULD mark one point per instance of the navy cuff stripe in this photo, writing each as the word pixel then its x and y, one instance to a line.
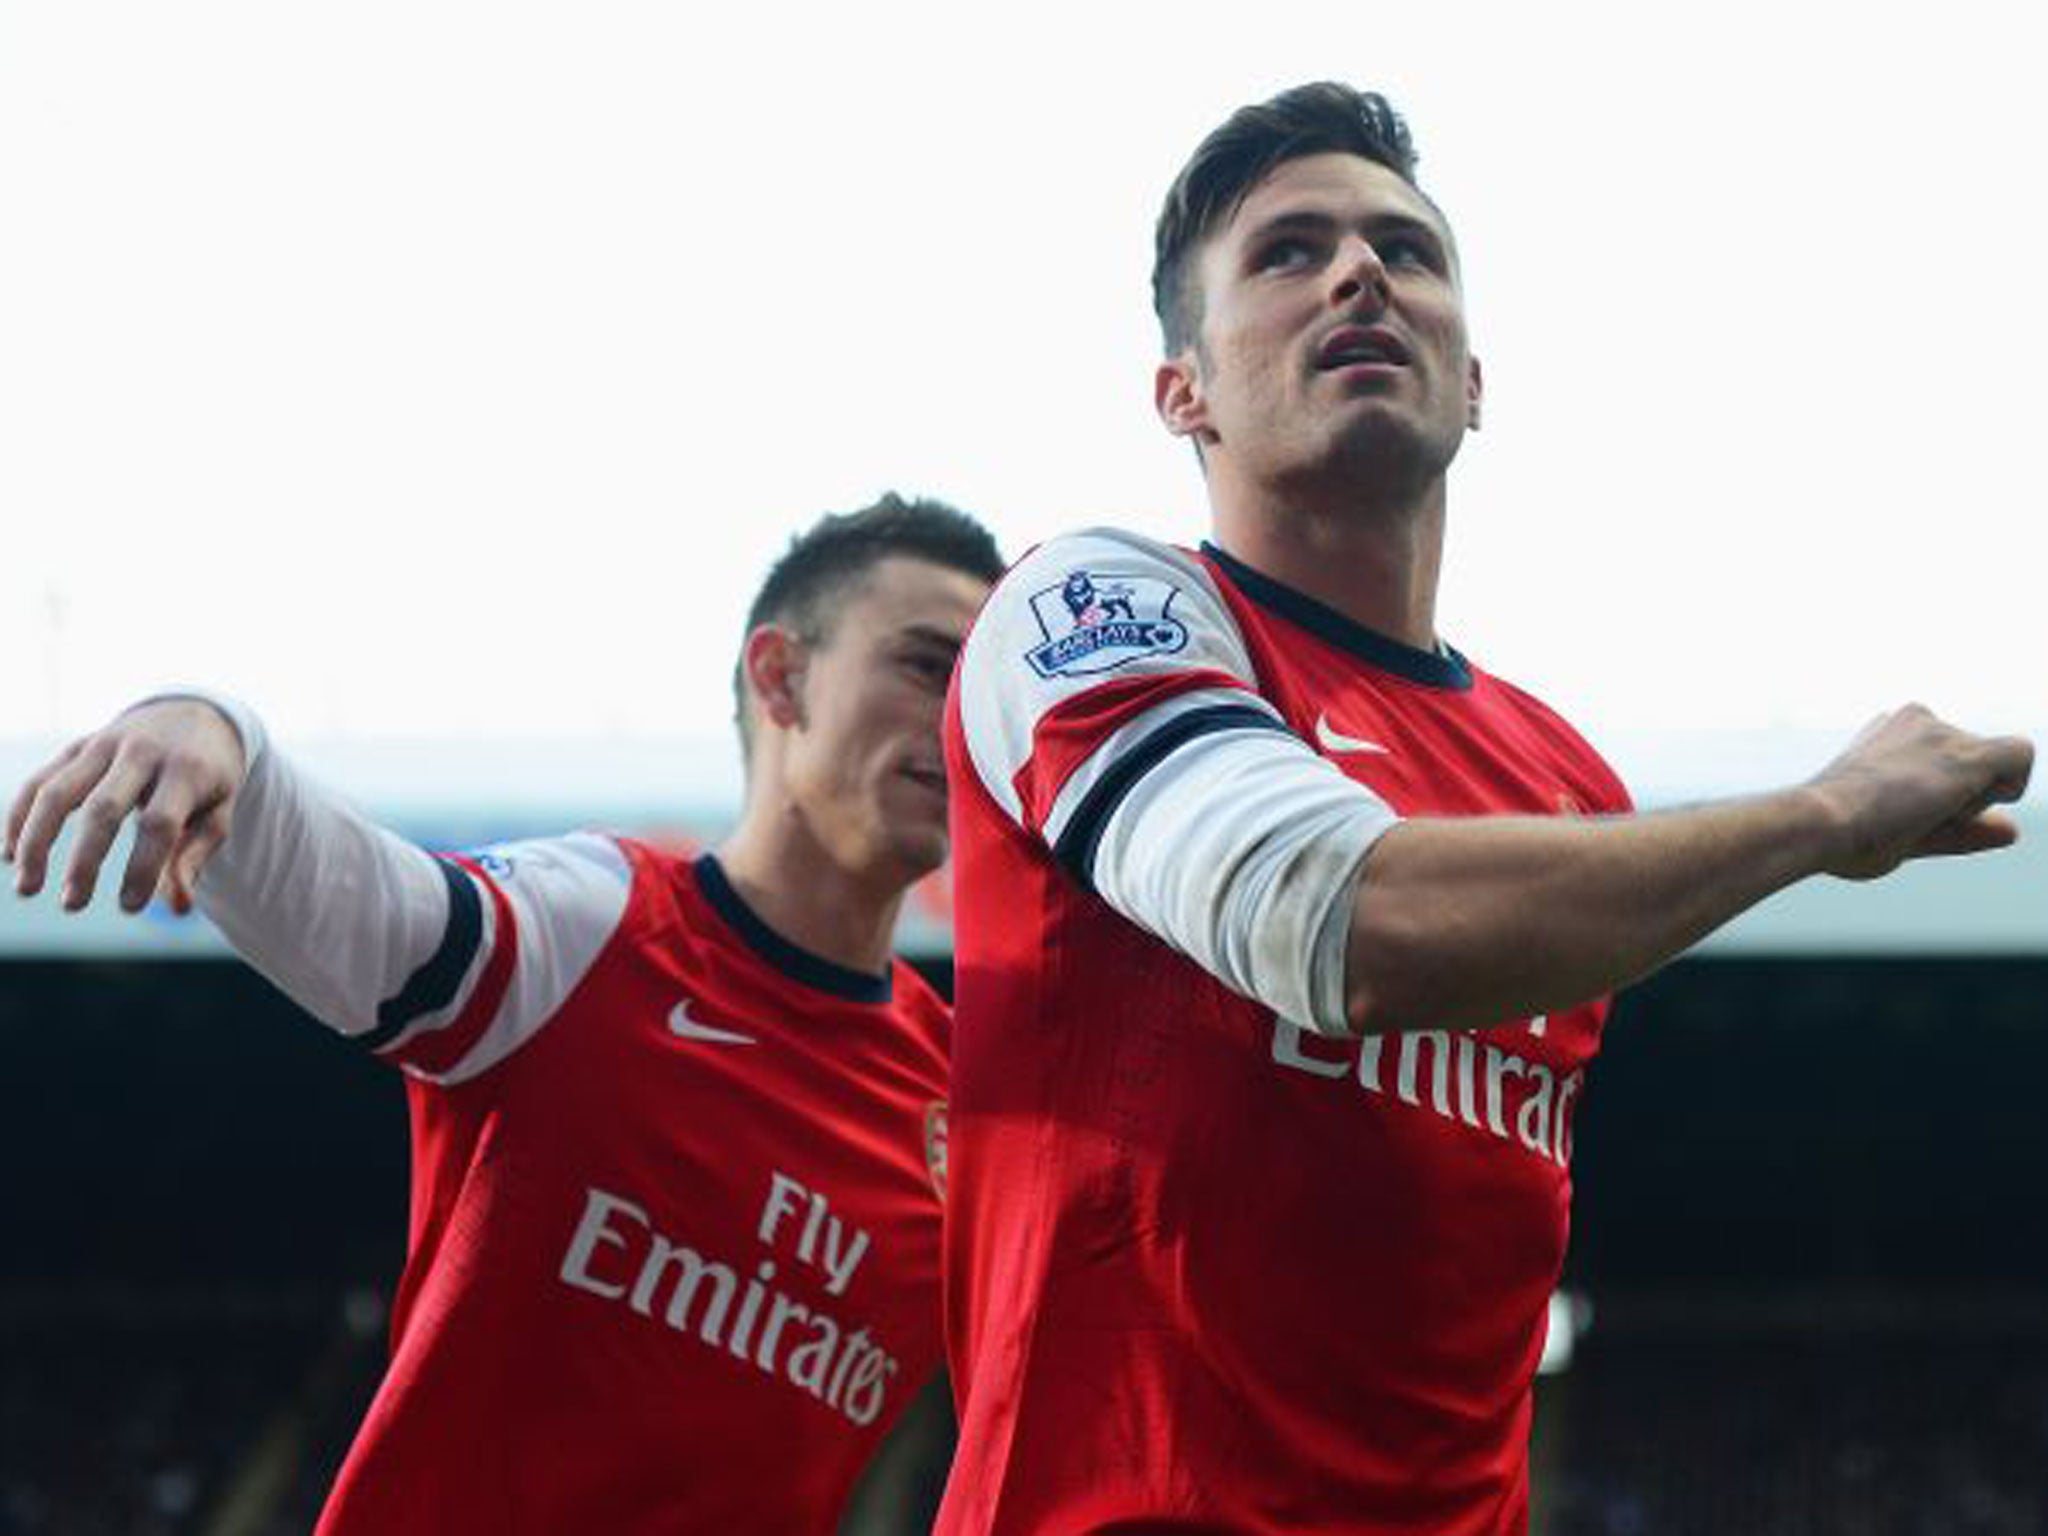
pixel 1076 847
pixel 435 983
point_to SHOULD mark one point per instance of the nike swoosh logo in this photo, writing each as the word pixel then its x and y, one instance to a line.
pixel 1334 740
pixel 683 1027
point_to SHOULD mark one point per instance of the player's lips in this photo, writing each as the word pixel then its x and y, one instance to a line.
pixel 1354 346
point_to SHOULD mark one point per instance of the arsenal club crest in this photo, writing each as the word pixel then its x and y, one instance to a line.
pixel 935 1144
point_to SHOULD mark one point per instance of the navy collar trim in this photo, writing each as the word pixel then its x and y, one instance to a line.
pixel 794 961
pixel 1445 669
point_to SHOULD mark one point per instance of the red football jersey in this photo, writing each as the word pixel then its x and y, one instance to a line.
pixel 674 1260
pixel 674 1252
pixel 1207 1270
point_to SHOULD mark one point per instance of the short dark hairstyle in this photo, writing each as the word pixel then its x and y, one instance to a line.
pixel 1235 158
pixel 804 588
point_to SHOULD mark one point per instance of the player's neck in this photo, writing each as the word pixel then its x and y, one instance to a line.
pixel 794 886
pixel 1377 565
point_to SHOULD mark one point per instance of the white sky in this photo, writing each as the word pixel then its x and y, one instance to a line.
pixel 456 369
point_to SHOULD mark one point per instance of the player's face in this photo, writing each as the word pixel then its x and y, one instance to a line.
pixel 1333 331
pixel 865 767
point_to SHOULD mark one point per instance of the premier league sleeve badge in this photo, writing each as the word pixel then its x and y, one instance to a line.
pixel 1093 622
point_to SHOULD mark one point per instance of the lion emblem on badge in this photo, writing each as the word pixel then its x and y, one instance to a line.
pixel 1092 604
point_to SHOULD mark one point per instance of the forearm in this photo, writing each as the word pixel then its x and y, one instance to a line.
pixel 334 909
pixel 1472 922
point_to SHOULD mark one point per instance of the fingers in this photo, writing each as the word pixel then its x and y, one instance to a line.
pixel 181 875
pixel 45 801
pixel 2000 767
pixel 2011 762
pixel 24 798
pixel 101 809
pixel 1920 785
pixel 175 764
pixel 1981 833
pixel 160 832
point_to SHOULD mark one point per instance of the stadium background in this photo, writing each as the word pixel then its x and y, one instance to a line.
pixel 539 323
pixel 1808 1288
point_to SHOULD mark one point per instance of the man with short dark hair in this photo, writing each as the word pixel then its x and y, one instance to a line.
pixel 678 1125
pixel 1283 930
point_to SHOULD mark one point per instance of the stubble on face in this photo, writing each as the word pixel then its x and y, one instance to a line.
pixel 1329 241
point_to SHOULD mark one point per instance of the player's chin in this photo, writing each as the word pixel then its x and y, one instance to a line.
pixel 917 851
pixel 1380 439
pixel 917 825
pixel 910 822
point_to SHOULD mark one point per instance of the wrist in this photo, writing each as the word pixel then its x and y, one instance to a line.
pixel 1824 817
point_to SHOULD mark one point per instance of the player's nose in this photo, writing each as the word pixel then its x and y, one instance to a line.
pixel 1358 277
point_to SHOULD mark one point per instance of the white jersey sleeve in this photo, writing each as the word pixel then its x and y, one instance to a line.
pixel 1096 655
pixel 1110 707
pixel 442 965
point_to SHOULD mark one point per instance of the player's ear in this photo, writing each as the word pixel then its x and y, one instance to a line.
pixel 1178 397
pixel 1475 389
pixel 774 660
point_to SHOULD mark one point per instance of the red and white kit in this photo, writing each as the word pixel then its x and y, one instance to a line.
pixel 1210 1268
pixel 674 1247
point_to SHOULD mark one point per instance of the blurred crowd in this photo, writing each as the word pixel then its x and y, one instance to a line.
pixel 135 1419
pixel 1844 1434
pixel 132 1420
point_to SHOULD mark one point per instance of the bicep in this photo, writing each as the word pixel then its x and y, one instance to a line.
pixel 1242 850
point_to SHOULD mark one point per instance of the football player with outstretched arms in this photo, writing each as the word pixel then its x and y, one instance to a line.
pixel 1283 928
pixel 677 1123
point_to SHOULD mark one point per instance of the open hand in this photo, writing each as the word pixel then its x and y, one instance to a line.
pixel 175 765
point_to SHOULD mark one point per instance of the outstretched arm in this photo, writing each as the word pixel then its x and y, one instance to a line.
pixel 1301 889
pixel 335 909
pixel 1152 768
pixel 437 964
pixel 1476 921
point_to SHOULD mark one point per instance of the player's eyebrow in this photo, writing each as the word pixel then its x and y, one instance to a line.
pixel 1320 221
pixel 1406 224
pixel 1290 220
pixel 930 635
